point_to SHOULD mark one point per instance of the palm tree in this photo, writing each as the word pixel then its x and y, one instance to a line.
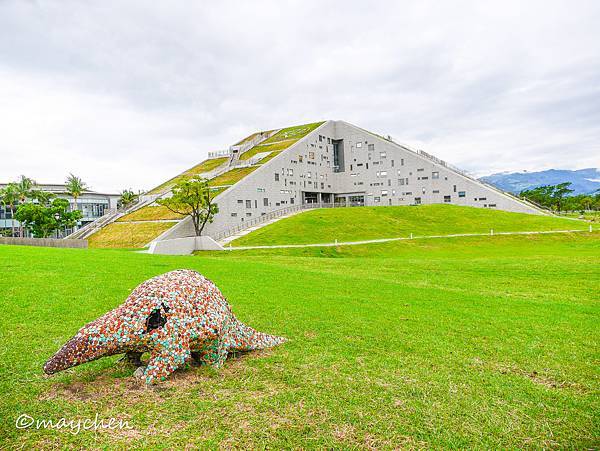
pixel 9 197
pixel 24 187
pixel 75 187
pixel 127 198
pixel 43 197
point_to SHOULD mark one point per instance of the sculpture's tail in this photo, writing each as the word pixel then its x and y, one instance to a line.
pixel 244 338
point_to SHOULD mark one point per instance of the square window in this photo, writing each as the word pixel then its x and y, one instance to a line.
pixel 447 199
pixel 371 147
pixel 248 204
pixel 435 175
pixel 462 194
pixel 358 145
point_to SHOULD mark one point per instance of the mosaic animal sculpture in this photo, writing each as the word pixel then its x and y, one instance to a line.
pixel 175 316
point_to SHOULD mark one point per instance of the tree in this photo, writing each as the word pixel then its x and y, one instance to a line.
pixel 43 197
pixel 75 188
pixel 9 196
pixel 24 187
pixel 43 220
pixel 128 197
pixel 560 191
pixel 192 197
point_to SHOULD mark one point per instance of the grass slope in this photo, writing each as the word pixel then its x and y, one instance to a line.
pixel 281 140
pixel 232 176
pixel 465 342
pixel 128 234
pixel 205 166
pixel 365 223
pixel 150 213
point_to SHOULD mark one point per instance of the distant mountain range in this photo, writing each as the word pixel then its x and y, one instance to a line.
pixel 583 181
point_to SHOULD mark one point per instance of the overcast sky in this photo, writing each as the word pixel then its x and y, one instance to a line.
pixel 126 95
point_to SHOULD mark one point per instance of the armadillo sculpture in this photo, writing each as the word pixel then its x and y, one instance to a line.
pixel 174 316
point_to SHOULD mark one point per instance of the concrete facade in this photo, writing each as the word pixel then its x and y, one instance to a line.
pixel 367 170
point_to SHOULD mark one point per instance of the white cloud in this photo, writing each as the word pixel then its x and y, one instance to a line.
pixel 126 94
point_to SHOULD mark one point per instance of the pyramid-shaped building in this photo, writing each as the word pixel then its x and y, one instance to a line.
pixel 328 164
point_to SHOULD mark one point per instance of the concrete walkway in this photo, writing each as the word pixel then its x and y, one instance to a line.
pixel 385 240
pixel 241 233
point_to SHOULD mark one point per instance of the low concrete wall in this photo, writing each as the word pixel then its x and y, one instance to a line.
pixel 45 242
pixel 184 246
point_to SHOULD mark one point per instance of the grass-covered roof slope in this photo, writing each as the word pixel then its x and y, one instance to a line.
pixel 231 177
pixel 128 234
pixel 369 223
pixel 205 166
pixel 281 140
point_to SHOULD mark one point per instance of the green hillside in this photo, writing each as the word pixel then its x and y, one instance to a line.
pixel 464 343
pixel 367 223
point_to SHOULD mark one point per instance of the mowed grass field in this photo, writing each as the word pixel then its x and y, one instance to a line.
pixel 325 225
pixel 485 342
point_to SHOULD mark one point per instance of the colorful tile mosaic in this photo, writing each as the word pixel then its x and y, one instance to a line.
pixel 175 316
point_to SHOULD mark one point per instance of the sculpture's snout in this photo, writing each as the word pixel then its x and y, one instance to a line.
pixel 77 350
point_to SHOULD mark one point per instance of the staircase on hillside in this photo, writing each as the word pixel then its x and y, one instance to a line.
pixel 110 217
pixel 238 149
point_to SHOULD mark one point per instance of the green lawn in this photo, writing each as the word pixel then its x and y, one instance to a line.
pixel 366 223
pixel 485 342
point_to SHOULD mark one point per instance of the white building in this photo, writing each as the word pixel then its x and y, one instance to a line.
pixel 92 204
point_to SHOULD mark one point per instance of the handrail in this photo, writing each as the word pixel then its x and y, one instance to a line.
pixel 218 153
pixel 102 220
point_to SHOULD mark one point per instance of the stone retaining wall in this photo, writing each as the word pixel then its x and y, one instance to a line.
pixel 45 242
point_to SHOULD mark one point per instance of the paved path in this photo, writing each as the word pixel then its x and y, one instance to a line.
pixel 385 240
